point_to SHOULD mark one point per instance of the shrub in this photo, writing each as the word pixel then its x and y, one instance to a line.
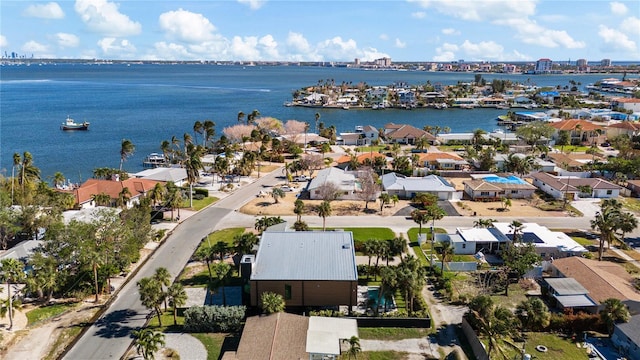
pixel 198 197
pixel 213 318
pixel 201 191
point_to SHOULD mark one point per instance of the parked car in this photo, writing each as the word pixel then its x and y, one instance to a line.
pixel 286 188
pixel 300 178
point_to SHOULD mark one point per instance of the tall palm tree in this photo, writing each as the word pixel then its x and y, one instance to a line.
pixel 251 118
pixel 245 242
pixel 156 195
pixel 126 149
pixel 165 147
pixel 317 117
pixel 354 346
pixel 420 218
pixel 147 342
pixel 484 223
pixel 446 252
pixel 613 312
pixel 101 199
pixel 324 210
pixel 209 131
pixel 198 128
pixel 221 270
pixel 477 138
pixel 123 197
pixel 493 322
pixel 58 179
pixel 240 117
pixel 29 173
pixel 627 222
pixel 173 197
pixel 162 276
pixel 516 226
pixel 193 165
pixel 151 295
pixel 605 222
pixel 276 194
pixel 533 314
pixel 177 298
pixel 11 272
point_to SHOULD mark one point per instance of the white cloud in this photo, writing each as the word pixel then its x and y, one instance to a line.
pixel 369 54
pixel 170 51
pixel 67 40
pixel 618 8
pixel 530 32
pixel 446 52
pixel 419 15
pixel 400 44
pixel 484 50
pixel 103 17
pixel 383 37
pixel 631 27
pixel 245 48
pixel 3 41
pixel 117 48
pixel 44 11
pixel 35 48
pixel 186 26
pixel 297 42
pixel 614 40
pixel 253 4
pixel 450 31
pixel 269 47
pixel 338 49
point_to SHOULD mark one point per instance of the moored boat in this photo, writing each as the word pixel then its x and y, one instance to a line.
pixel 154 160
pixel 69 124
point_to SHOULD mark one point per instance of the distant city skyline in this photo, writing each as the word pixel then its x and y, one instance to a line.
pixel 314 31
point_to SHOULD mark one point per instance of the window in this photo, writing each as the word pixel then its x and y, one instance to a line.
pixel 287 292
pixel 484 193
pixel 464 246
pixel 609 192
pixel 514 191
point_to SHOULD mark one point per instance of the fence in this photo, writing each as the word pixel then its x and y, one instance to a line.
pixel 476 346
pixel 458 266
pixel 368 322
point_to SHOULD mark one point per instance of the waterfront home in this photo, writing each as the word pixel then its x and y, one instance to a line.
pixel 632 104
pixel 367 158
pixel 628 128
pixel 490 187
pixel 540 164
pixel 626 337
pixel 581 132
pixel 408 187
pixel 602 279
pixel 362 136
pixel 560 187
pixel 292 337
pixel 437 160
pixel 307 268
pixel 177 175
pixel 114 188
pixel 405 134
pixel 530 116
pixel 432 98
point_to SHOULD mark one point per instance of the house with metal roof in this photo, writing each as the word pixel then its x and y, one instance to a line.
pixel 408 187
pixel 626 336
pixel 344 181
pixel 567 293
pixel 177 175
pixel 569 186
pixel 306 268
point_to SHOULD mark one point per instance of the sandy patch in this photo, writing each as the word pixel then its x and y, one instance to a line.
pixel 519 207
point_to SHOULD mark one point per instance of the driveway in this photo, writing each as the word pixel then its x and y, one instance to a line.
pixel 588 207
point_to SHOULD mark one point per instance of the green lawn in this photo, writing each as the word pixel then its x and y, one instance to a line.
pixel 201 204
pixel 366 149
pixel 46 312
pixel 167 321
pixel 377 355
pixel 631 203
pixel 392 333
pixel 557 347
pixel 212 342
pixel 225 235
pixel 364 234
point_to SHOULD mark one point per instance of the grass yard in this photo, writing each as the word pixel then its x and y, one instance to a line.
pixel 46 312
pixel 377 355
pixel 200 204
pixel 557 347
pixel 392 333
pixel 225 235
pixel 167 321
pixel 631 204
pixel 366 149
pixel 213 342
pixel 364 234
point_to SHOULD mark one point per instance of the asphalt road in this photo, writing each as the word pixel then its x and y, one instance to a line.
pixel 110 336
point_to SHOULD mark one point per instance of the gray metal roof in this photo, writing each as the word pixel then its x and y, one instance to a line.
pixel 306 255
pixel 566 286
pixel 631 329
pixel 571 301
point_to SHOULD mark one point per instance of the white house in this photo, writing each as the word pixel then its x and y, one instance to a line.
pixel 408 187
pixel 561 186
pixel 344 181
pixel 177 175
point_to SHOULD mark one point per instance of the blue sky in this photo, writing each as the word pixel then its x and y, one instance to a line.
pixel 320 30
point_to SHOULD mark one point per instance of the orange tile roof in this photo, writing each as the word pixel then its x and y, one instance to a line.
pixel 361 158
pixel 434 156
pixel 92 187
pixel 627 125
pixel 627 100
pixel 571 124
pixel 603 279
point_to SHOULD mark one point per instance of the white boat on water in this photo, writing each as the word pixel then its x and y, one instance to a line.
pixel 69 124
pixel 154 160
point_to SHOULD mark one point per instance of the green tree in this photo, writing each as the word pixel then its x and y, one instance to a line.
pixel 419 217
pixel 193 165
pixel 533 314
pixel 614 311
pixel 245 242
pixel 173 197
pixel 277 194
pixel 484 223
pixel 298 209
pixel 384 200
pixel 446 252
pixel 354 346
pixel 272 303
pixel 519 258
pixel 221 271
pixel 324 210
pixel 177 298
pixel 492 322
pixel 605 221
pixel 163 276
pixel 11 272
pixel 151 295
pixel 206 254
pixel 43 279
pixel 535 131
pixel 147 342
pixel 478 138
pixel 126 150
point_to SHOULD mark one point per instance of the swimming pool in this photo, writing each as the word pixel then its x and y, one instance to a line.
pixel 373 293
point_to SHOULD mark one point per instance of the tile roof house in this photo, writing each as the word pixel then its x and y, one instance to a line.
pixel 307 268
pixel 344 160
pixel 580 131
pixel 561 186
pixel 632 104
pixel 602 279
pixel 494 188
pixel 113 188
pixel 285 336
pixel 408 187
pixel 405 134
pixel 573 161
pixel 436 160
pixel 629 128
pixel 626 337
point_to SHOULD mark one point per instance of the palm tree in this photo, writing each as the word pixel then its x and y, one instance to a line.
pixel 520 165
pixel 147 342
pixel 484 223
pixel 478 138
pixel 491 321
pixel 271 303
pixel 177 298
pixel 613 312
pixel 446 251
pixel 29 173
pixel 276 194
pixel 126 149
pixel 420 218
pixel 11 272
pixel 206 254
pixel 506 203
pixel 245 242
pixel 251 118
pixel 317 117
pixel 605 222
pixel 533 314
pixel 193 165
pixel 151 295
pixel 198 128
pixel 58 179
pixel 221 270
pixel 516 226
pixel 173 197
pixel 627 222
pixel 298 209
pixel 384 200
pixel 324 210
pixel 354 346
pixel 156 195
pixel 163 276
pixel 101 199
pixel 123 197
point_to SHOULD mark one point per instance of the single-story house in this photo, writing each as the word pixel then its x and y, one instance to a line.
pixel 306 268
pixel 178 175
pixel 632 104
pixel 308 138
pixel 574 161
pixel 405 134
pixel 494 188
pixel 634 186
pixel 345 182
pixel 541 164
pixel 469 241
pixel 602 279
pixel 408 187
pixel 549 244
pixel 292 337
pixel 366 157
pixel 626 336
pixel 559 186
pixel 629 128
pixel 567 293
pixel 137 187
pixel 437 160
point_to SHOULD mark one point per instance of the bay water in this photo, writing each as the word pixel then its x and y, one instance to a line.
pixel 149 103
